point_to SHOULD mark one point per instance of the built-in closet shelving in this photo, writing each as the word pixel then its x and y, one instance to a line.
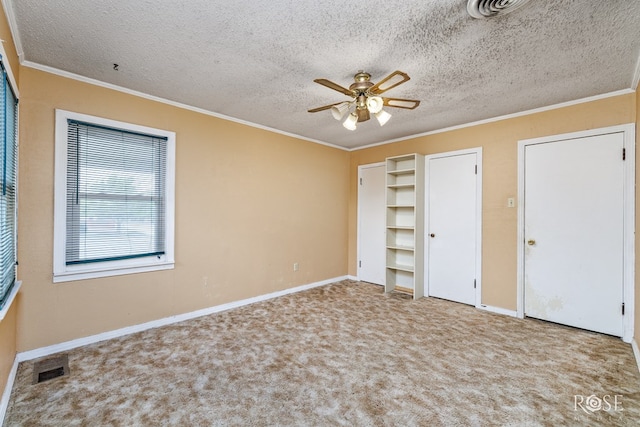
pixel 405 224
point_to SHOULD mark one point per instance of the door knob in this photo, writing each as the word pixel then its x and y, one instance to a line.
pixel 432 235
pixel 531 242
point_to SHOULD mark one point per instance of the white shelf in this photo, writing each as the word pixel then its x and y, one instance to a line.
pixel 405 218
pixel 401 248
pixel 402 172
pixel 401 186
pixel 407 268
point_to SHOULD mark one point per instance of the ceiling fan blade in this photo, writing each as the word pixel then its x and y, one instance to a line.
pixel 392 80
pixel 325 107
pixel 363 115
pixel 334 86
pixel 408 104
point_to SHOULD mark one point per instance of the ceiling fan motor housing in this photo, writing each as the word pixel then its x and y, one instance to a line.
pixel 362 83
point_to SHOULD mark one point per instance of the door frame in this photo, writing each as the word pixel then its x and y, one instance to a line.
pixel 359 214
pixel 478 273
pixel 628 131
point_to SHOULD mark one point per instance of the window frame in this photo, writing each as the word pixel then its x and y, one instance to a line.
pixel 10 293
pixel 65 273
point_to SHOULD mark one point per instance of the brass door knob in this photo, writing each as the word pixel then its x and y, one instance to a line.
pixel 531 242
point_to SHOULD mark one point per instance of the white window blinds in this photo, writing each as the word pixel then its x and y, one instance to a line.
pixel 8 154
pixel 115 194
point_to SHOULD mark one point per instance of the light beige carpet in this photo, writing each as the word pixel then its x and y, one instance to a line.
pixel 345 354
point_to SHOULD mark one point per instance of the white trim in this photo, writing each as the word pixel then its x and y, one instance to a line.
pixel 68 345
pixel 505 117
pixel 636 353
pixel 7 67
pixel 497 310
pixel 359 213
pixel 65 273
pixel 478 258
pixel 355 278
pixel 8 388
pixel 95 82
pixel 7 5
pixel 629 228
pixel 628 131
pixel 12 297
pixel 636 76
pixel 117 270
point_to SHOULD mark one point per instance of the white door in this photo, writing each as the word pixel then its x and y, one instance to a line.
pixel 371 224
pixel 451 227
pixel 574 232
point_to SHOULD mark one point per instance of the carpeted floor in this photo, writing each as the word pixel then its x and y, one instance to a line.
pixel 344 354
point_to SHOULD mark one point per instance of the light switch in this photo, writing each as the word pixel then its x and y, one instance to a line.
pixel 511 202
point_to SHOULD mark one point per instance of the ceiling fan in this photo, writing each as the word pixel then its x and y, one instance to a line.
pixel 366 99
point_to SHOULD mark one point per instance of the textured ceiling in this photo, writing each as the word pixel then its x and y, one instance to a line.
pixel 255 60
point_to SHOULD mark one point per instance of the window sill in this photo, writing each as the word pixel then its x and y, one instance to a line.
pixel 12 297
pixel 83 275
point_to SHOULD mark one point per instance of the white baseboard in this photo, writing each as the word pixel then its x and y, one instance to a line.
pixel 68 345
pixel 4 402
pixel 497 310
pixel 353 278
pixel 636 352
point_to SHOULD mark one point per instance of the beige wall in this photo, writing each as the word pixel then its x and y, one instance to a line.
pixel 499 142
pixel 8 324
pixel 249 203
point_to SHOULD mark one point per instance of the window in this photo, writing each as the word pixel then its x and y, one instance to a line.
pixel 8 155
pixel 114 194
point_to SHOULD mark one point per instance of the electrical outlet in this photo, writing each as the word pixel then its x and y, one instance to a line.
pixel 295 266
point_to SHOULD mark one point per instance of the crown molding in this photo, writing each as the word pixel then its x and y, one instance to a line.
pixel 505 117
pixel 83 79
pixel 636 76
pixel 7 6
pixel 95 82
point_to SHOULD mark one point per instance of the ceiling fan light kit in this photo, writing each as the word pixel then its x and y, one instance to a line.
pixel 382 117
pixel 366 99
pixel 374 104
pixel 339 110
pixel 351 121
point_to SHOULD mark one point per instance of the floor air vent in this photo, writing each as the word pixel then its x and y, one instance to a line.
pixel 48 369
pixel 481 9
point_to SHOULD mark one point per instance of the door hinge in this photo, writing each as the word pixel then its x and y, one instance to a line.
pixel 624 154
pixel 360 181
pixel 359 263
pixel 476 172
pixel 623 309
pixel 474 283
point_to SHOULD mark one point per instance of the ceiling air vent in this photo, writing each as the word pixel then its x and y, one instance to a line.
pixel 481 9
